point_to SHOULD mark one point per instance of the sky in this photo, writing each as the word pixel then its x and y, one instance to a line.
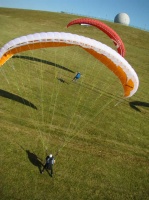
pixel 138 10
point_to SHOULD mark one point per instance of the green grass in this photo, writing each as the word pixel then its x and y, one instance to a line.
pixel 102 140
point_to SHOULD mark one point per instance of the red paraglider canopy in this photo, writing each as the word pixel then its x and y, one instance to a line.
pixel 106 29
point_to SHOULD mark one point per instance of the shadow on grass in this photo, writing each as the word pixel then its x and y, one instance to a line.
pixel 17 98
pixel 134 105
pixel 43 61
pixel 62 80
pixel 33 158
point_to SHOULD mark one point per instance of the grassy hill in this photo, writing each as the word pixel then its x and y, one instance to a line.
pixel 100 140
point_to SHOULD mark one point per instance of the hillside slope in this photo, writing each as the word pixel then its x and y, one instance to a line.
pixel 100 140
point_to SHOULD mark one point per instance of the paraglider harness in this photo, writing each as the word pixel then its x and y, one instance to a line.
pixel 78 75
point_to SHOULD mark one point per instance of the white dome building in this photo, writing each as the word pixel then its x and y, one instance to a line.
pixel 122 18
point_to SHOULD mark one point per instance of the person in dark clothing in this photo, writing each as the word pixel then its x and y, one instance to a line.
pixel 49 164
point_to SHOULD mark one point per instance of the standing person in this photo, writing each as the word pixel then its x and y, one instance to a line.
pixel 49 164
pixel 77 76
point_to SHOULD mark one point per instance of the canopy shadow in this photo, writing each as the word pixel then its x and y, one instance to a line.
pixel 134 105
pixel 43 61
pixel 17 98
